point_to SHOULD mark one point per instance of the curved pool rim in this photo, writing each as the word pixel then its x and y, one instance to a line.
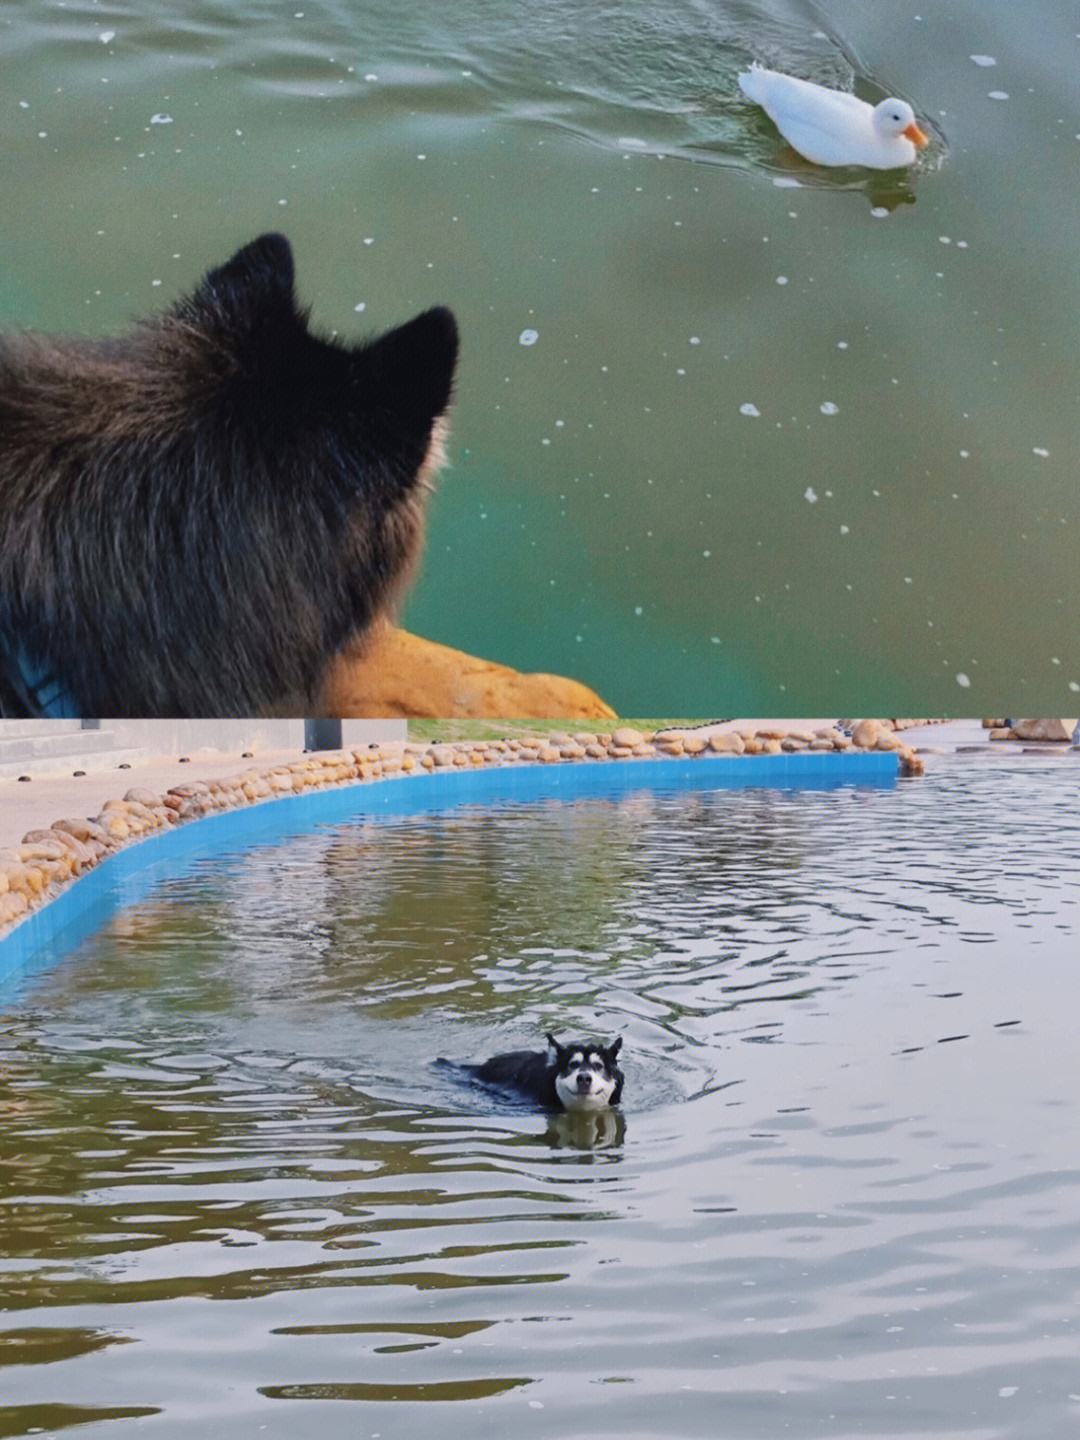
pixel 128 875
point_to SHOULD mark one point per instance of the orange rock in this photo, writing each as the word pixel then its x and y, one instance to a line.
pixel 400 675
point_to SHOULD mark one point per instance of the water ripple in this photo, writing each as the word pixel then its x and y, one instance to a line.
pixel 836 1202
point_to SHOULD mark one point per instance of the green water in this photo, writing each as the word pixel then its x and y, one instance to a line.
pixel 584 170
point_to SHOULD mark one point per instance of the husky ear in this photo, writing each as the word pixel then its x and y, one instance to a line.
pixel 553 1043
pixel 259 272
pixel 612 1051
pixel 412 368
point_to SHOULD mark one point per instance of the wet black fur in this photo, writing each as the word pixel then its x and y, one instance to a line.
pixel 195 518
pixel 532 1073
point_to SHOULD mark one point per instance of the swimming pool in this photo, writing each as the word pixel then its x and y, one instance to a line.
pixel 240 1200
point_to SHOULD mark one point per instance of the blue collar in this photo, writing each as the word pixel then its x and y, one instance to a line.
pixel 46 694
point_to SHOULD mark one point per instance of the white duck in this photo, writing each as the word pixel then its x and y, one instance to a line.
pixel 831 127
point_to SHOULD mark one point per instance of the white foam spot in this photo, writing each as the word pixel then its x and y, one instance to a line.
pixel 997 94
pixel 810 495
pixel 781 279
pixel 786 182
pixel 631 142
pixel 107 36
pixel 985 61
pixel 747 409
pixel 880 212
pixel 829 407
pixel 1008 1391
pixel 360 307
pixel 528 337
pixel 161 118
pixel 1040 451
pixel 963 681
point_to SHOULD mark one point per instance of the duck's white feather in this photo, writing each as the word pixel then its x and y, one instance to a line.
pixel 828 127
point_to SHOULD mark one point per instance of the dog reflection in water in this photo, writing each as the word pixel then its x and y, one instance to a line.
pixel 586 1130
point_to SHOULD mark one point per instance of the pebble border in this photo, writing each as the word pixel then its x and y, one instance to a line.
pixel 47 861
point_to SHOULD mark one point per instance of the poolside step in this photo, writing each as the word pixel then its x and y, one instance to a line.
pixel 62 748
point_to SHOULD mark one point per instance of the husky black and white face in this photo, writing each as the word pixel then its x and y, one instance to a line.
pixel 587 1077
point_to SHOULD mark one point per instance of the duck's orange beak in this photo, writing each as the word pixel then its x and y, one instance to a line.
pixel 918 138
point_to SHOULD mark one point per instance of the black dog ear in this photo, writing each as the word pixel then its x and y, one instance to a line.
pixel 411 369
pixel 260 272
pixel 612 1051
pixel 553 1043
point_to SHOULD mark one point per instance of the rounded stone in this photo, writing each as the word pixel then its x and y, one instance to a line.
pixel 865 734
pixel 626 738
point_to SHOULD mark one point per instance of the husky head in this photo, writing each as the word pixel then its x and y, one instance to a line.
pixel 586 1074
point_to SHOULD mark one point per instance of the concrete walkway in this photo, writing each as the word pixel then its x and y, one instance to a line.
pixel 35 804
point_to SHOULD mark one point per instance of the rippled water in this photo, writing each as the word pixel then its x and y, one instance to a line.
pixel 584 169
pixel 841 1199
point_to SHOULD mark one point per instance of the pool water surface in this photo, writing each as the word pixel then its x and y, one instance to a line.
pixel 239 1198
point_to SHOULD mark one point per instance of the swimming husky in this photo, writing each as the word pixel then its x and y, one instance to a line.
pixel 195 518
pixel 579 1076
